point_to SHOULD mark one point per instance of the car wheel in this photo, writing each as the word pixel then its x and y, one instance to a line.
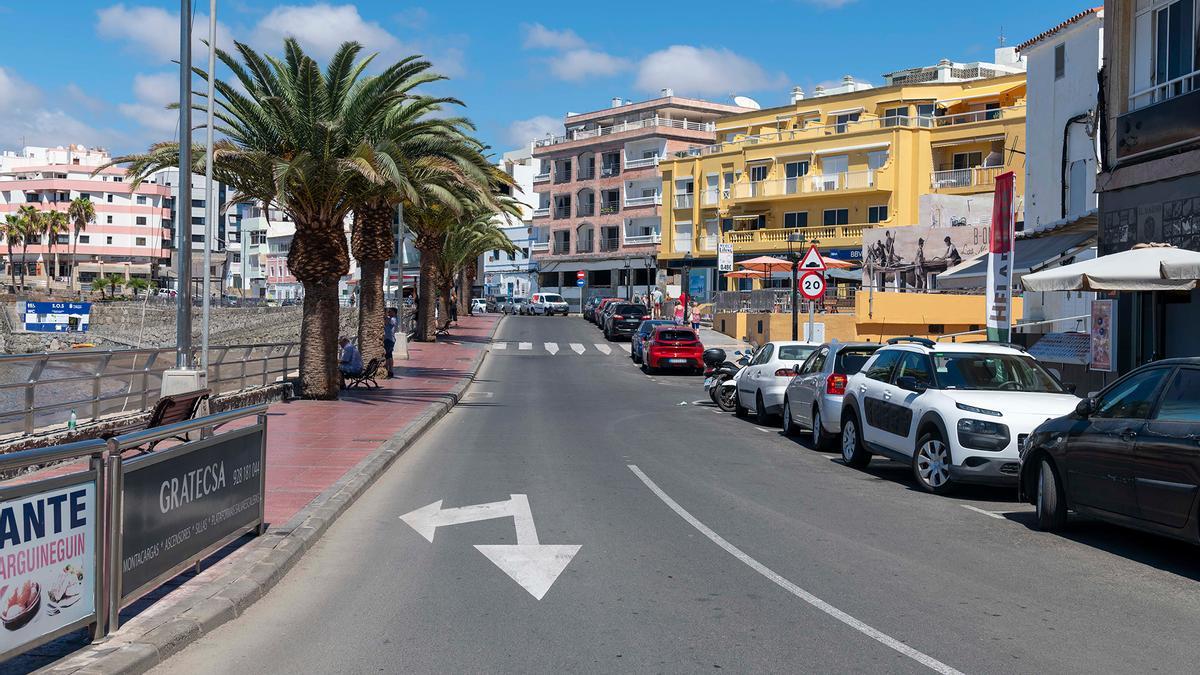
pixel 789 427
pixel 931 464
pixel 818 437
pixel 1051 502
pixel 853 452
pixel 739 409
pixel 761 416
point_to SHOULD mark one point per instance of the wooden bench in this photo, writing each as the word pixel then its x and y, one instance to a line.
pixel 365 378
pixel 168 410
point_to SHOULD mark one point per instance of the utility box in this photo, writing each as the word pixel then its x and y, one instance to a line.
pixel 179 381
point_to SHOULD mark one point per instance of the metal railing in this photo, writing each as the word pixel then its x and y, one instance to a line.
pixel 637 239
pixel 779 300
pixel 684 201
pixel 609 208
pixel 561 247
pixel 810 184
pixel 608 244
pixel 562 177
pixel 643 162
pixel 540 246
pixel 542 212
pixel 562 212
pixel 39 390
pixel 961 178
pixel 643 201
pixel 610 170
pixel 651 122
pixel 542 177
pixel 588 209
pixel 1167 90
pixel 778 238
pixel 585 173
pixel 584 246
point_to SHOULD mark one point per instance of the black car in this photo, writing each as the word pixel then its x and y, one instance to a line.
pixel 623 319
pixel 589 308
pixel 1129 454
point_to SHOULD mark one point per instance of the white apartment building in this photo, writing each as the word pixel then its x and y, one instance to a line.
pixel 226 215
pixel 130 236
pixel 514 273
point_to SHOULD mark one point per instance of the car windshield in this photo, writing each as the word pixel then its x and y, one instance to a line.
pixel 550 297
pixel 850 361
pixel 796 352
pixel 994 372
pixel 630 309
pixel 676 335
pixel 647 327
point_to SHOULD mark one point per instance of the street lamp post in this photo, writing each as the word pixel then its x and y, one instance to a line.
pixel 646 262
pixel 628 279
pixel 812 304
pixel 792 238
pixel 687 282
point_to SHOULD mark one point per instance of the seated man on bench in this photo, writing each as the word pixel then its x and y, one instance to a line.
pixel 350 361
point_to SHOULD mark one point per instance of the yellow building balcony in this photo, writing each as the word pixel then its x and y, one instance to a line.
pixel 966 181
pixel 813 184
pixel 775 240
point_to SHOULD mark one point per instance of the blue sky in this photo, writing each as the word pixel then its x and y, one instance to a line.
pixel 100 72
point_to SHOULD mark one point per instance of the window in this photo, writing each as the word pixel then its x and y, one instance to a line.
pixel 877 214
pixel 197 220
pixel 139 241
pixel 925 114
pixel 1181 398
pixel 1060 61
pixel 85 195
pixel 916 366
pixel 1133 398
pixel 967 160
pixel 108 220
pixel 1174 37
pixel 843 122
pixel 197 203
pixel 763 355
pixel 894 117
pixel 850 361
pixel 197 238
pixel 795 353
pixel 795 219
pixel 141 199
pixel 117 179
pixel 815 362
pixel 600 277
pixel 141 220
pixel 836 217
pixel 881 368
pixel 108 240
pixel 108 198
pixel 793 171
pixel 758 173
pixel 877 159
pixel 85 239
pixel 62 239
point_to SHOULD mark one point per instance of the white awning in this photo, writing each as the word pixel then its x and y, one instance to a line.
pixel 848 111
pixel 965 141
pixel 946 102
pixel 1138 269
pixel 851 148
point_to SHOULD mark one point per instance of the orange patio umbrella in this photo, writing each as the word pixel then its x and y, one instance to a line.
pixel 765 264
pixel 746 274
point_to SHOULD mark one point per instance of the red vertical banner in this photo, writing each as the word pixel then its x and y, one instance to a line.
pixel 999 287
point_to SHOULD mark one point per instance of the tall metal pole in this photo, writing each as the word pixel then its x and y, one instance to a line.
pixel 183 204
pixel 795 298
pixel 210 207
pixel 400 349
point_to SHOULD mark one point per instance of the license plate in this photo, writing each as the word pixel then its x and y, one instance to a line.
pixel 707 383
pixel 677 360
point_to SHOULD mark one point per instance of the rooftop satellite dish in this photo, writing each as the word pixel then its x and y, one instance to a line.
pixel 746 102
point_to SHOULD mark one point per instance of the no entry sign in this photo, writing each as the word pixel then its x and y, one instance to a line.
pixel 812 285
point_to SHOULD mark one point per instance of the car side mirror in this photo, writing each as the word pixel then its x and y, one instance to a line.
pixel 1071 387
pixel 1086 407
pixel 909 383
pixel 796 368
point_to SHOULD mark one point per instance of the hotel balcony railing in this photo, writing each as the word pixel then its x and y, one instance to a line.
pixel 980 176
pixel 562 177
pixel 711 196
pixel 643 201
pixel 540 246
pixel 541 177
pixel 562 212
pixel 609 209
pixel 652 122
pixel 586 210
pixel 586 173
pixel 584 246
pixel 1165 91
pixel 684 201
pixel 610 244
pixel 542 212
pixel 610 170
pixel 811 184
pixel 642 162
pixel 561 247
pixel 821 131
pixel 638 239
pixel 776 239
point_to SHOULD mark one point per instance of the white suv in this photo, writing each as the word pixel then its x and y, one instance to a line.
pixel 958 412
pixel 548 304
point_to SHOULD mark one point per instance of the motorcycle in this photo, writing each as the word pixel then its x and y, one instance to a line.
pixel 720 378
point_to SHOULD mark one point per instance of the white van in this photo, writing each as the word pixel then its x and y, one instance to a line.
pixel 548 304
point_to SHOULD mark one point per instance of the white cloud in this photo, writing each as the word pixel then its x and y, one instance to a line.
pixel 321 28
pixel 538 36
pixel 703 71
pixel 153 93
pixel 155 31
pixel 26 118
pixel 521 132
pixel 580 64
pixel 77 96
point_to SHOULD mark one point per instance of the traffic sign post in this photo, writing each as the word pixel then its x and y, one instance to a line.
pixel 812 285
pixel 812 261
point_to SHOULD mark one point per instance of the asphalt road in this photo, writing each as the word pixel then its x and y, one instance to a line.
pixel 706 543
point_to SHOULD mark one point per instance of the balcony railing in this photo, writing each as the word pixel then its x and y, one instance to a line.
pixel 610 244
pixel 609 209
pixel 586 173
pixel 562 177
pixel 980 176
pixel 583 134
pixel 643 201
pixel 711 196
pixel 1167 90
pixel 561 247
pixel 542 212
pixel 777 238
pixel 585 246
pixel 610 170
pixel 540 246
pixel 821 131
pixel 638 239
pixel 562 212
pixel 684 201
pixel 541 177
pixel 810 184
pixel 642 162
pixel 707 242
pixel 586 210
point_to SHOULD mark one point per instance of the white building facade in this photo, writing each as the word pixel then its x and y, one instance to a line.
pixel 515 274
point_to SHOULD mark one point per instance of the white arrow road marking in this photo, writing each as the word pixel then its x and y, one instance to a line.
pixel 576 347
pixel 919 657
pixel 533 565
pixel 552 347
pixel 500 345
pixel 525 346
pixel 604 349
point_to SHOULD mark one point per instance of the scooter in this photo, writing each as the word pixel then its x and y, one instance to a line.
pixel 720 379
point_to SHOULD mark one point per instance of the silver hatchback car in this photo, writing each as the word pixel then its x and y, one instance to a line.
pixel 813 399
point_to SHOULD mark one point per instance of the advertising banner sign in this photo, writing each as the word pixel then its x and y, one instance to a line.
pixel 999 278
pixel 47 562
pixel 55 317
pixel 724 257
pixel 176 504
pixel 1104 343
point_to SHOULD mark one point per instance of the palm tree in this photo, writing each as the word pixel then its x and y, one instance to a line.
pixel 56 224
pixel 309 143
pixel 465 241
pixel 14 233
pixel 35 226
pixel 112 281
pixel 139 284
pixel 81 212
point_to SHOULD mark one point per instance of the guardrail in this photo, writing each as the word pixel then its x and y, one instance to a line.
pixel 41 389
pixel 97 539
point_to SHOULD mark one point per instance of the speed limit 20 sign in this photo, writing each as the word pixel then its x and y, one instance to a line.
pixel 812 286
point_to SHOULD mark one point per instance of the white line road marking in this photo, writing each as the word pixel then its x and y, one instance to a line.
pixel 625 347
pixel 552 347
pixel 525 346
pixel 604 349
pixel 577 348
pixel 883 638
pixel 989 514
pixel 500 345
pixel 764 430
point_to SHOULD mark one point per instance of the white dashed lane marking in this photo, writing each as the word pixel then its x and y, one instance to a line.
pixel 500 345
pixel 552 347
pixel 604 349
pixel 525 346
pixel 577 348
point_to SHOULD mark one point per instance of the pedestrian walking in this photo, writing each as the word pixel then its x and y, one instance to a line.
pixel 390 323
pixel 656 297
pixel 453 309
pixel 679 312
pixel 695 316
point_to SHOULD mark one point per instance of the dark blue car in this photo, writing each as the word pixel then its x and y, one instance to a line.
pixel 638 340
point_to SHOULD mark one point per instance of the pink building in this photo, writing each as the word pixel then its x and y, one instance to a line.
pixel 599 192
pixel 132 227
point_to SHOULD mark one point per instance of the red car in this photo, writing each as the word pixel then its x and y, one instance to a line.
pixel 673 347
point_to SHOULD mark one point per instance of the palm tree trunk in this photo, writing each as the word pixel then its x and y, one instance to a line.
pixel 445 297
pixel 12 271
pixel 464 292
pixel 371 310
pixel 74 258
pixel 318 340
pixel 49 263
pixel 24 254
pixel 427 297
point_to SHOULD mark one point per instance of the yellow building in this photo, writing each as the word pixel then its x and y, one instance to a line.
pixel 828 167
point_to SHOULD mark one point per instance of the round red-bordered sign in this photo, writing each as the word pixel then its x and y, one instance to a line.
pixel 812 285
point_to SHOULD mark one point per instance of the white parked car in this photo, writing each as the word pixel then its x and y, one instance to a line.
pixel 760 387
pixel 479 306
pixel 957 412
pixel 548 304
pixel 813 399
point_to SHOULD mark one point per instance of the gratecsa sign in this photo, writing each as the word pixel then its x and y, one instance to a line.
pixel 47 562
pixel 179 502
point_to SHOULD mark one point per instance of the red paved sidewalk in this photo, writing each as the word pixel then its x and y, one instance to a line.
pixel 312 444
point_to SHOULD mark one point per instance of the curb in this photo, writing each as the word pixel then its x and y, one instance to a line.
pixel 226 589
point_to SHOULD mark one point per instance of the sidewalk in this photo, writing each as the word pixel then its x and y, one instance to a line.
pixel 321 455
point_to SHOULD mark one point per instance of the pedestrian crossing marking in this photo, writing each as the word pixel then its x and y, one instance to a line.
pixel 552 347
pixel 576 347
pixel 500 345
pixel 604 349
pixel 525 346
